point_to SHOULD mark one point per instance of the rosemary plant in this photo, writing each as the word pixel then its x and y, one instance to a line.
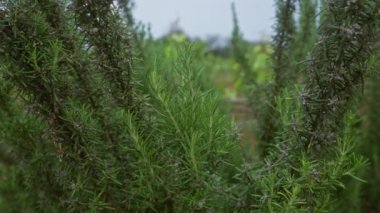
pixel 283 75
pixel 81 131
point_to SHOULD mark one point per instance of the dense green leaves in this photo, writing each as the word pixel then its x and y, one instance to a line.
pixel 95 116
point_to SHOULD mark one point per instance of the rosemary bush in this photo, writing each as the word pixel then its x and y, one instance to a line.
pixel 283 74
pixel 314 148
pixel 304 37
pixel 86 141
pixel 369 191
pixel 239 48
pixel 98 116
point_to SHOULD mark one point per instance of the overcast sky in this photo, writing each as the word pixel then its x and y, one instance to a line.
pixel 202 18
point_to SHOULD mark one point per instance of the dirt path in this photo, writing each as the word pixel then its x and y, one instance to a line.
pixel 243 116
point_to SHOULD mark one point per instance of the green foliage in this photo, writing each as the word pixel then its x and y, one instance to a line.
pixel 190 138
pixel 98 116
pixel 288 179
pixel 282 40
pixel 314 150
pixel 283 74
pixel 336 68
pixel 240 51
pixel 78 138
pixel 304 37
pixel 370 191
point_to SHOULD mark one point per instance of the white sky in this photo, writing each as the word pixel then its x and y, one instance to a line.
pixel 202 18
